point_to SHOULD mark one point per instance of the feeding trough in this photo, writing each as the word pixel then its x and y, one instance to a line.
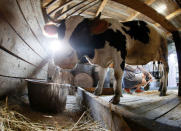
pixel 47 97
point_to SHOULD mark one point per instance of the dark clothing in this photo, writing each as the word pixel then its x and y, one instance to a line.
pixel 130 78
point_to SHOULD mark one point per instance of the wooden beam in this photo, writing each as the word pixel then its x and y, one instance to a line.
pixel 171 16
pixel 84 6
pixel 61 11
pixel 148 2
pixel 174 14
pixel 61 7
pixel 101 7
pixel 149 12
pixel 70 9
pixel 89 7
pixel 50 4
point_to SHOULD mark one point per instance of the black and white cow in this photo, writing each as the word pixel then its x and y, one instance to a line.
pixel 104 41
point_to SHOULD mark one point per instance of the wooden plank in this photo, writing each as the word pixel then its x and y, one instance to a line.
pixel 172 118
pixel 8 85
pixel 12 42
pixel 132 105
pixel 81 8
pixel 13 70
pixel 12 66
pixel 15 85
pixel 148 2
pixel 153 104
pixel 158 112
pixel 60 7
pixel 37 11
pixel 110 120
pixel 173 14
pixel 32 22
pixel 88 7
pixel 124 99
pixel 70 9
pixel 61 11
pixel 50 3
pixel 148 11
pixel 12 15
pixel 101 7
pixel 139 122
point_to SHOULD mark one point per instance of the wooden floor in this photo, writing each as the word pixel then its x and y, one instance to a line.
pixel 164 112
pixel 150 105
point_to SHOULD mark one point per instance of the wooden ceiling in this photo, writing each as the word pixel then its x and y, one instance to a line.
pixel 165 12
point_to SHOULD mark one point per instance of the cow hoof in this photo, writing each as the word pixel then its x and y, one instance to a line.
pixel 97 93
pixel 162 93
pixel 115 100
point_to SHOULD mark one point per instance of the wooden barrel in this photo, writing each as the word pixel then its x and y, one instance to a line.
pixel 83 80
pixel 47 97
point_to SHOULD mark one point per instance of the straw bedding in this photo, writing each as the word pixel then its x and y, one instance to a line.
pixel 11 119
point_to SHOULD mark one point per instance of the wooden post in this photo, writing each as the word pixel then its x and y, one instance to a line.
pixel 177 40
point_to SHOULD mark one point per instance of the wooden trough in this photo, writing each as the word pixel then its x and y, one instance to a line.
pixel 146 111
pixel 47 97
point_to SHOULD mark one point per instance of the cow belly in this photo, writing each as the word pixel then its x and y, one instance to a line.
pixel 141 59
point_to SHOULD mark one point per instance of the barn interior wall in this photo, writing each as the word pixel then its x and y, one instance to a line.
pixel 22 50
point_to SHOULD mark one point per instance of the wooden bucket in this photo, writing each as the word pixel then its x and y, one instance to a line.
pixel 47 97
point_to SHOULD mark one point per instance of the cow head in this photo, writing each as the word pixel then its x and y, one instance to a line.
pixel 50 30
pixel 65 58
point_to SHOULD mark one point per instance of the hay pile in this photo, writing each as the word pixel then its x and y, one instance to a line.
pixel 11 120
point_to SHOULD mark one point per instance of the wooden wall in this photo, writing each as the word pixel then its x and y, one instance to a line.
pixel 22 44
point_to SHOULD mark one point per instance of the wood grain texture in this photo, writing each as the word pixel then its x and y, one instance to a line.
pixel 12 42
pixel 148 2
pixel 9 85
pixel 101 7
pixel 158 112
pixel 111 120
pixel 22 54
pixel 135 121
pixel 13 66
pixel 13 16
pixel 148 11
pixel 33 22
pixel 172 118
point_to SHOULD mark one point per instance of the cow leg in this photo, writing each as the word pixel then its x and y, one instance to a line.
pixel 118 90
pixel 102 75
pixel 161 84
pixel 118 72
pixel 164 79
pixel 112 79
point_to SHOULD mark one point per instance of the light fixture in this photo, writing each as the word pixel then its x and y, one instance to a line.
pixel 161 8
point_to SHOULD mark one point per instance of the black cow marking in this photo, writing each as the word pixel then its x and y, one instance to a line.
pixel 85 43
pixel 61 29
pixel 138 30
pixel 122 65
